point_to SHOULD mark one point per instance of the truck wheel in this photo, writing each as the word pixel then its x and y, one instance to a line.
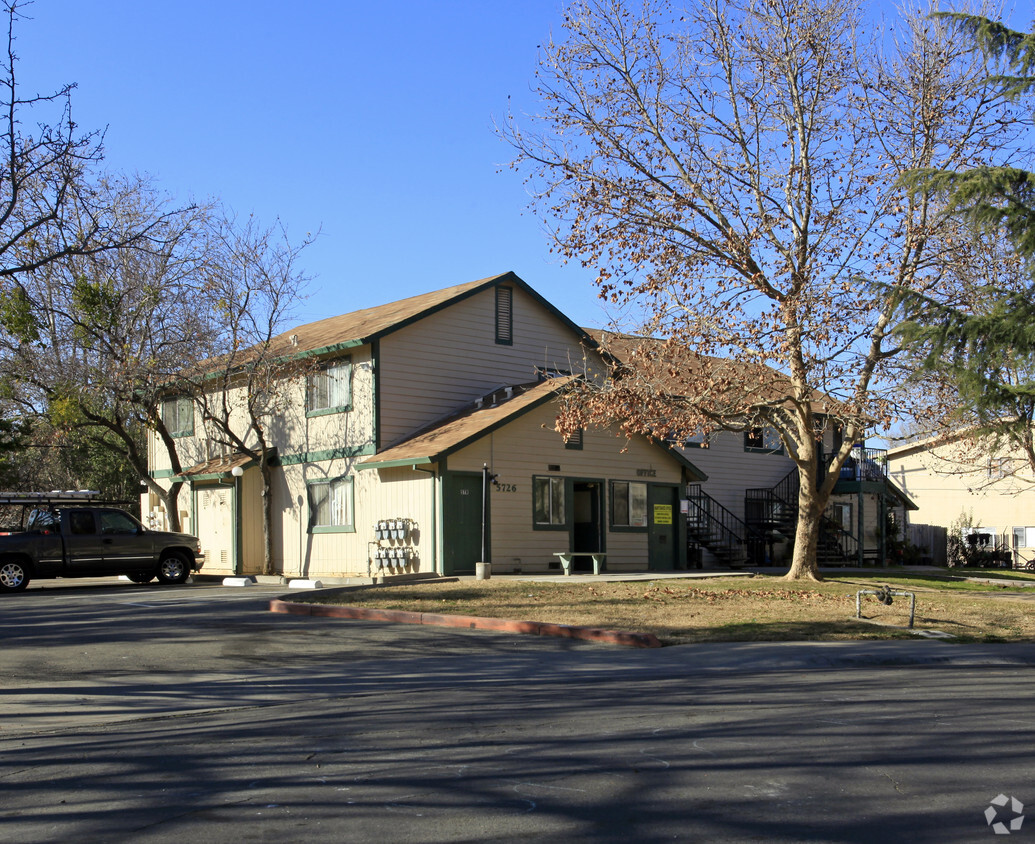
pixel 14 576
pixel 141 577
pixel 174 569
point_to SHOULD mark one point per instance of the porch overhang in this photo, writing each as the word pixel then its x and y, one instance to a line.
pixel 217 469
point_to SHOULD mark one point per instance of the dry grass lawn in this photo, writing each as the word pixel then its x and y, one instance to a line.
pixel 731 609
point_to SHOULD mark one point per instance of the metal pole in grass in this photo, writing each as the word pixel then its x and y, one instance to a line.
pixel 884 596
pixel 485 507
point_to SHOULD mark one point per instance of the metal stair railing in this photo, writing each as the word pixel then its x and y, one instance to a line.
pixel 833 538
pixel 715 527
pixel 776 509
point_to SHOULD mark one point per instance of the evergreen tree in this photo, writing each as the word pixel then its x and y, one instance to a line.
pixel 981 345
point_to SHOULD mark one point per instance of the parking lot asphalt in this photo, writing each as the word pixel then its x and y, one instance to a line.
pixel 168 714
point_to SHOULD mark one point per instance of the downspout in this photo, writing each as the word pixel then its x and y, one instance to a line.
pixel 434 516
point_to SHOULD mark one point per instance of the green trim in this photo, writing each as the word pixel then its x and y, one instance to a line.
pixel 395 464
pixel 163 473
pixel 328 411
pixel 211 476
pixel 375 382
pixel 329 350
pixel 342 453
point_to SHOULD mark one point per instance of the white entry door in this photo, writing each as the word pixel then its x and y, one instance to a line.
pixel 216 528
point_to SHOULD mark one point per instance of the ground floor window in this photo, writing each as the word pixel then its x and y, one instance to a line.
pixel 330 506
pixel 548 502
pixel 628 504
pixel 843 516
pixel 1024 537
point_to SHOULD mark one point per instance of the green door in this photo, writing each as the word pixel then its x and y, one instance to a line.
pixel 663 528
pixel 461 522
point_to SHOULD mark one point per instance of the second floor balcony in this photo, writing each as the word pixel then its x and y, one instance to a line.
pixel 866 464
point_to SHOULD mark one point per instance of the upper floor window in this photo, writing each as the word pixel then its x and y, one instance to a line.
pixel 999 468
pixel 505 315
pixel 763 439
pixel 698 440
pixel 330 388
pixel 178 416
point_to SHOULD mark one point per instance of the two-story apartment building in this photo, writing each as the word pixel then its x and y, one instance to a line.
pixel 420 437
pixel 406 412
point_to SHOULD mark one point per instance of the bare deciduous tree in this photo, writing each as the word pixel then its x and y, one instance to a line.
pixel 254 284
pixel 50 207
pixel 731 169
pixel 93 340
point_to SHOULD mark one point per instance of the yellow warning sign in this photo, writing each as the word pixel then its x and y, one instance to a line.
pixel 662 514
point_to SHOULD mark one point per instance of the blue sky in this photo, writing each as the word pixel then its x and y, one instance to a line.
pixel 369 121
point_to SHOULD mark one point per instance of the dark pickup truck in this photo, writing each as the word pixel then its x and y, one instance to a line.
pixel 76 541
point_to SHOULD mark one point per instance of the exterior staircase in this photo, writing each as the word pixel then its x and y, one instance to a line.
pixel 712 527
pixel 771 517
pixel 774 514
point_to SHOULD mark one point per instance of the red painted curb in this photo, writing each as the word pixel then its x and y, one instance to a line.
pixel 475 622
pixel 472 622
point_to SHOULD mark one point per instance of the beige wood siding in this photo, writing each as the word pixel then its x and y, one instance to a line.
pixel 296 432
pixel 944 490
pixel 376 495
pixel 526 448
pixel 434 367
pixel 731 469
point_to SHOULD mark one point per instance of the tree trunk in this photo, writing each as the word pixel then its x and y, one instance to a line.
pixel 267 516
pixel 170 502
pixel 172 506
pixel 804 564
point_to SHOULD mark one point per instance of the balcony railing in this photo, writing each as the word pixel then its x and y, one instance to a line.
pixel 866 464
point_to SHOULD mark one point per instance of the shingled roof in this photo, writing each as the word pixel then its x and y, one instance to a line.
pixel 474 421
pixel 478 419
pixel 771 384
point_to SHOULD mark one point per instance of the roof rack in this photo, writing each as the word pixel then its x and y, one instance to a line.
pixel 56 496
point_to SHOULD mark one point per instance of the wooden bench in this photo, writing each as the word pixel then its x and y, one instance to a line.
pixel 566 558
